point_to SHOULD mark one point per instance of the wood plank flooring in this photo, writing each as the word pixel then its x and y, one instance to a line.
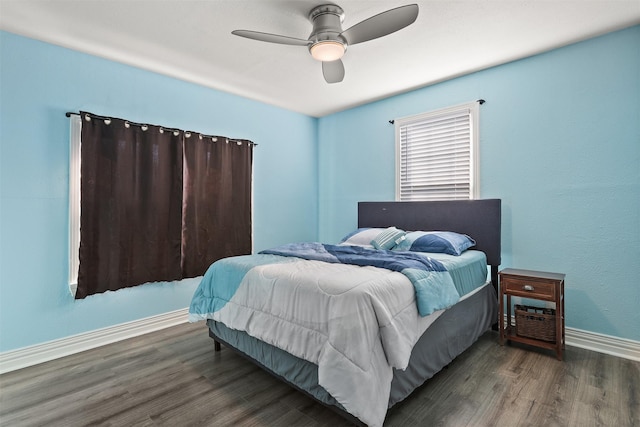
pixel 174 378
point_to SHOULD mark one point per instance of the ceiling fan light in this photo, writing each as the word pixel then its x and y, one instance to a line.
pixel 327 50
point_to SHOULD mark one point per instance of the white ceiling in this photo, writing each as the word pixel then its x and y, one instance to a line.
pixel 192 40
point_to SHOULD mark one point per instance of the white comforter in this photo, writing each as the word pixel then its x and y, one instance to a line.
pixel 355 323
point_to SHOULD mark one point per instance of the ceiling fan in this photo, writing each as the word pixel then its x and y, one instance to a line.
pixel 327 42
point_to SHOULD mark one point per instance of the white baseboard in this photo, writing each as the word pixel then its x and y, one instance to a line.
pixel 40 353
pixel 601 343
pixel 620 347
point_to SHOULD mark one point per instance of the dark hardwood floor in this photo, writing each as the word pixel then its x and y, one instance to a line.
pixel 174 378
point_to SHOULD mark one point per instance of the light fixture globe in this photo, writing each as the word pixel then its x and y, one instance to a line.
pixel 327 50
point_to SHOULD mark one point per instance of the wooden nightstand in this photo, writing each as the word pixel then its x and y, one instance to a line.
pixel 537 285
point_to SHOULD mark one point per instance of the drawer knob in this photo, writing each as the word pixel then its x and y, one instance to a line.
pixel 528 288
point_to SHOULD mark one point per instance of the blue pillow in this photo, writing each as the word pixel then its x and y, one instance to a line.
pixel 388 238
pixel 445 242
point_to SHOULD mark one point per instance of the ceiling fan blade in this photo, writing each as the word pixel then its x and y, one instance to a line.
pixel 271 38
pixel 381 24
pixel 333 71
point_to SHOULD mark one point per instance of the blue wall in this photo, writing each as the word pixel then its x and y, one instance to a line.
pixel 38 84
pixel 559 144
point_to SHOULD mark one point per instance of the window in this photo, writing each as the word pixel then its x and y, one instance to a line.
pixel 148 203
pixel 437 154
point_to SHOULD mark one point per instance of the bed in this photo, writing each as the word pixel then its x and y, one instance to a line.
pixel 364 368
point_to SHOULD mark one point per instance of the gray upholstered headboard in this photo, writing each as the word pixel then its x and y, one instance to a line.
pixel 480 219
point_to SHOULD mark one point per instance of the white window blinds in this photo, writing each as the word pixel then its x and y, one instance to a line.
pixel 436 154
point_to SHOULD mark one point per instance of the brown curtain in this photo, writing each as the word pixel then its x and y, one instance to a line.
pixel 131 205
pixel 217 201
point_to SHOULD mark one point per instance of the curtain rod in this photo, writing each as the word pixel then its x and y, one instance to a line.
pixel 479 101
pixel 186 132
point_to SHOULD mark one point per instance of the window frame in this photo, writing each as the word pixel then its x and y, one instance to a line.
pixel 469 108
pixel 75 145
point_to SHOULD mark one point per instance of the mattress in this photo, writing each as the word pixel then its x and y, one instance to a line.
pixel 468 271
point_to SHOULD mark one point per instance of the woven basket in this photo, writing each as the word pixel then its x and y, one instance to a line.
pixel 535 322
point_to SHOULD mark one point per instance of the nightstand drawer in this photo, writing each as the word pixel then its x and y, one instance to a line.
pixel 529 288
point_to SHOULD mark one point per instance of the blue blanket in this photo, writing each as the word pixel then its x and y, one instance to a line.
pixel 432 282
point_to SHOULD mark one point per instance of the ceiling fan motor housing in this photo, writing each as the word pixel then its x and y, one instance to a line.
pixel 327 24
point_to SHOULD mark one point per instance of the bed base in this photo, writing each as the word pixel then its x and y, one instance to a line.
pixel 343 413
pixel 449 336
